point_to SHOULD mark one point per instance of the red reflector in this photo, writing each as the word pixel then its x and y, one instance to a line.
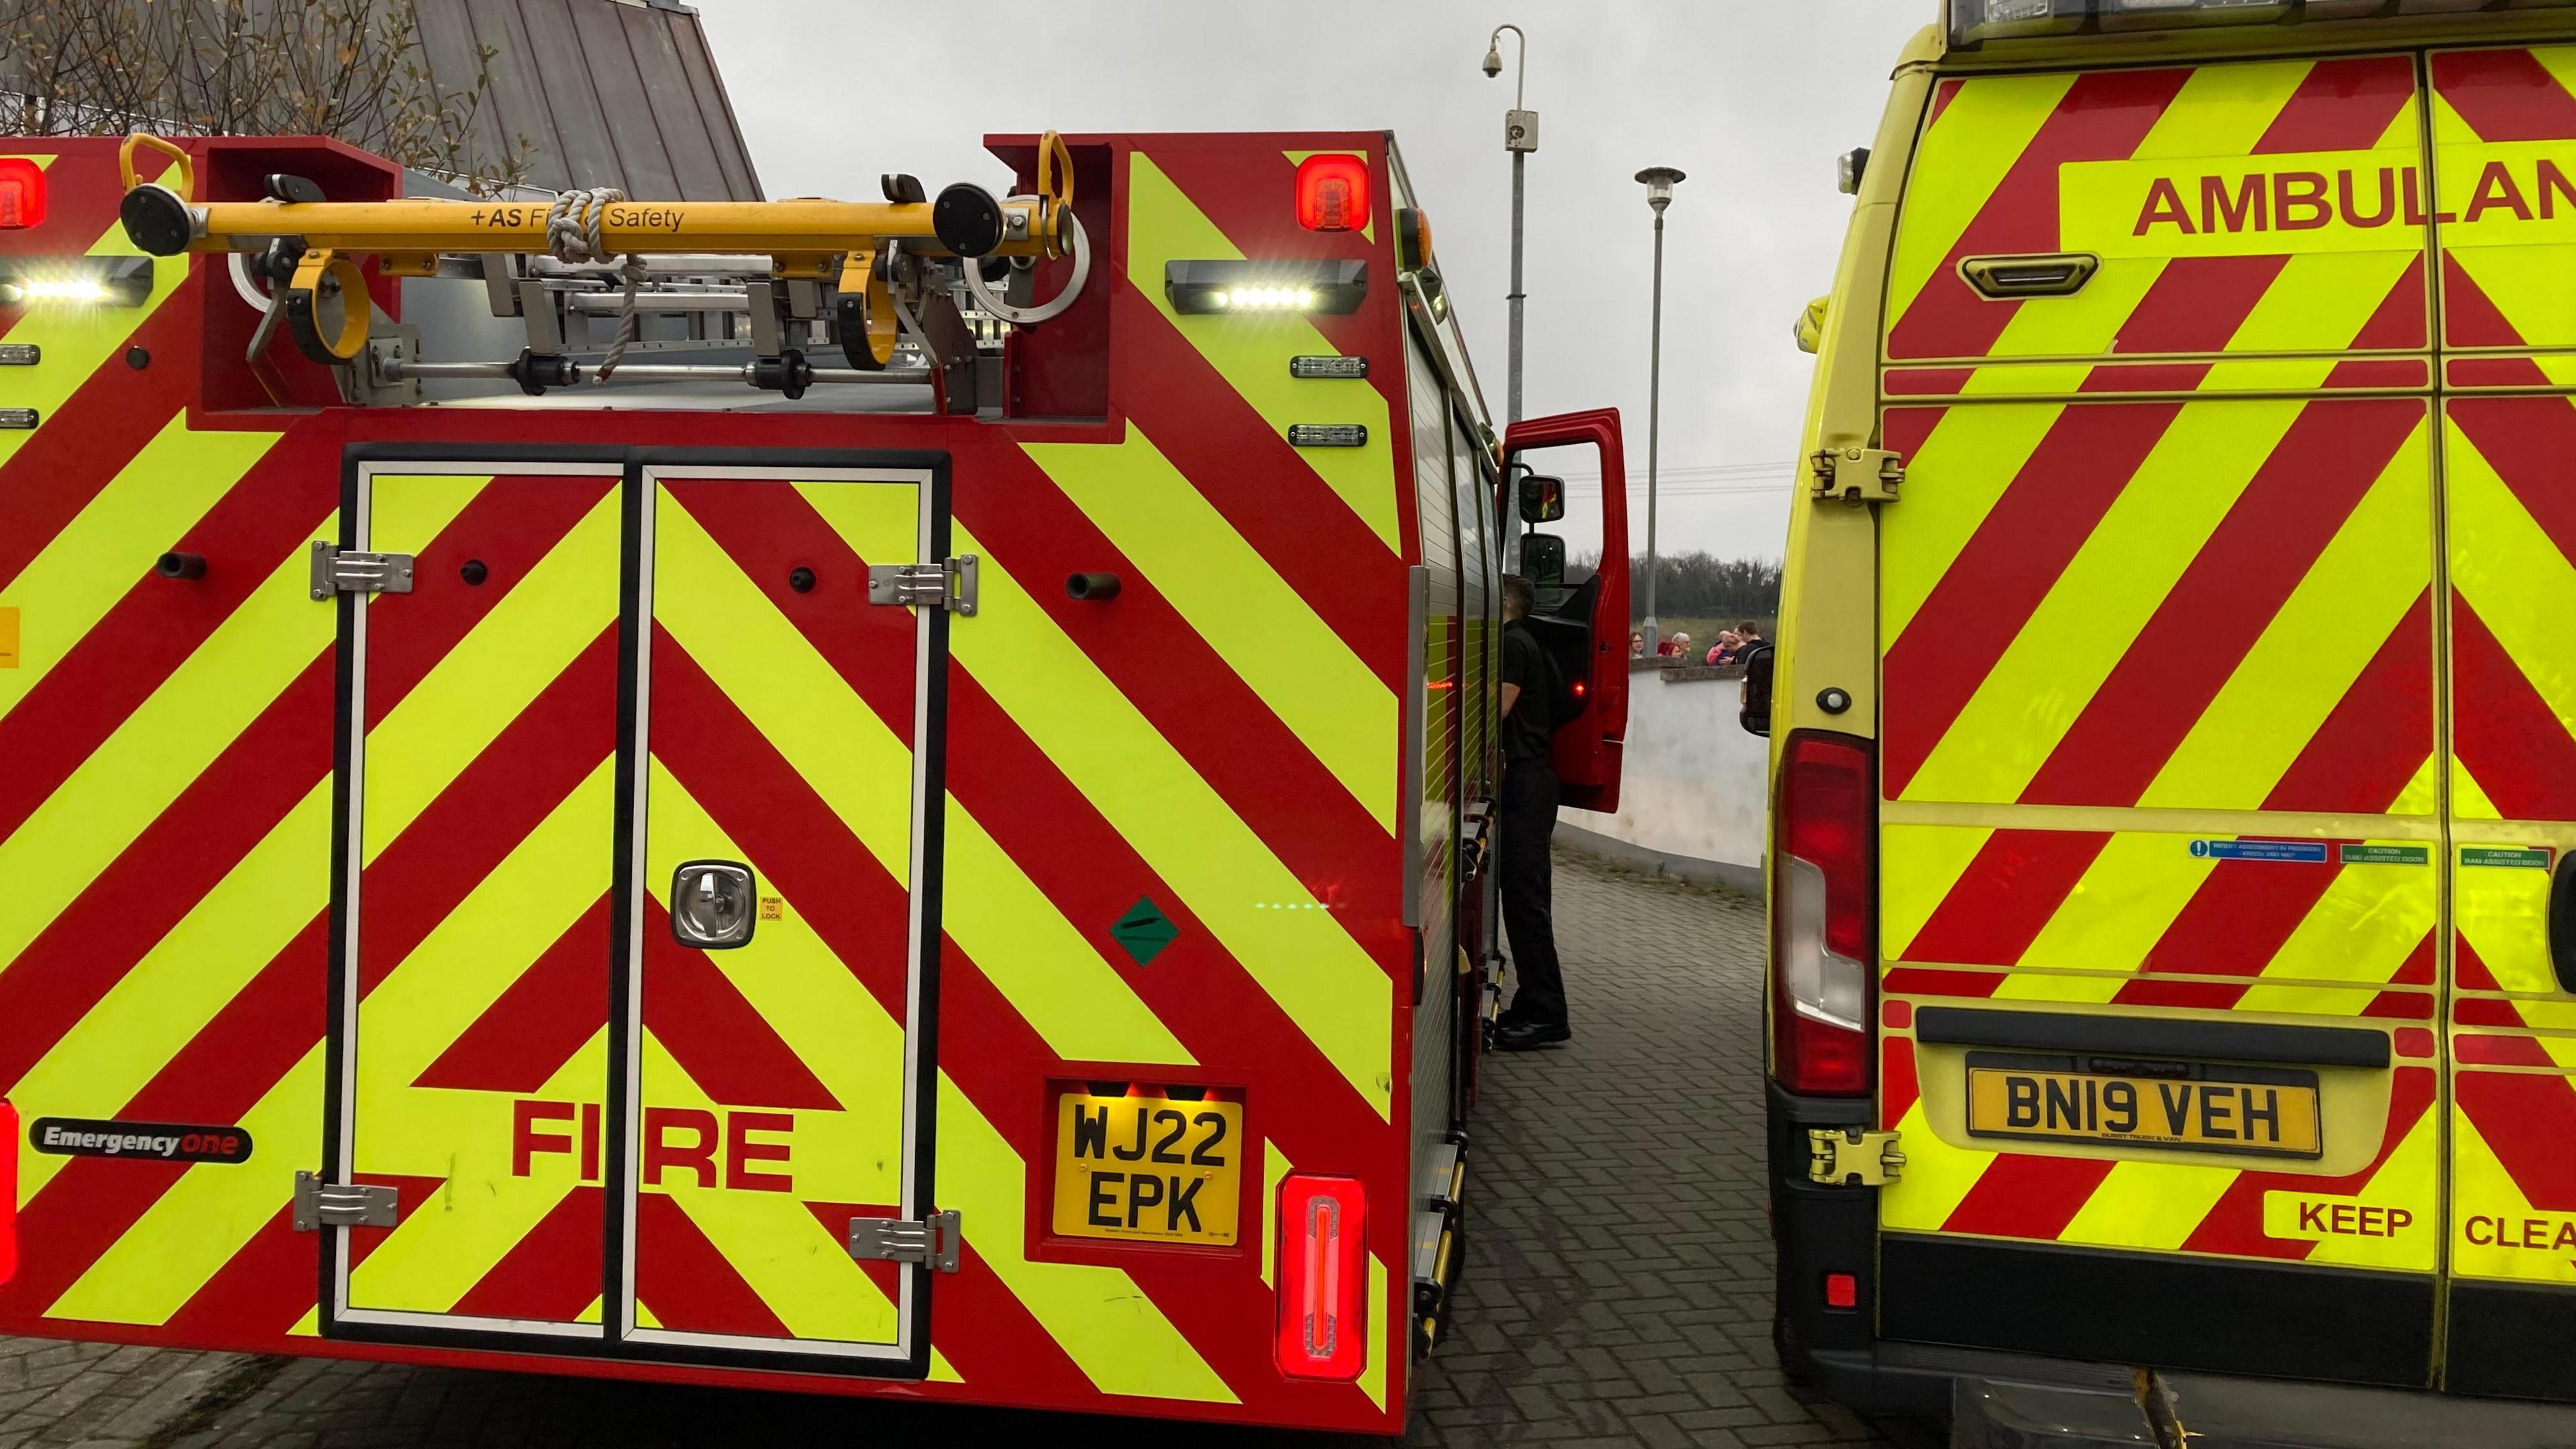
pixel 22 193
pixel 8 1192
pixel 1842 1290
pixel 1332 193
pixel 1323 1278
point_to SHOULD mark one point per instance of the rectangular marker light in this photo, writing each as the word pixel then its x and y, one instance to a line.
pixel 17 418
pixel 1328 367
pixel 1329 288
pixel 1328 435
pixel 20 354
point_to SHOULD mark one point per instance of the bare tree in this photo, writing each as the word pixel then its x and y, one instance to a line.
pixel 351 69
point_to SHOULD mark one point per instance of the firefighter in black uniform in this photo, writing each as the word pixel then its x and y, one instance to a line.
pixel 1536 1017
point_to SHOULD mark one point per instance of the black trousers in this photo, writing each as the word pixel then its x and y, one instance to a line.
pixel 1528 887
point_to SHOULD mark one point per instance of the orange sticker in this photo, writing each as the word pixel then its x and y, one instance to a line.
pixel 773 908
pixel 8 638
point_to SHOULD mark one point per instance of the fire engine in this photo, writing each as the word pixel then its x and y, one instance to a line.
pixel 878 797
pixel 2173 948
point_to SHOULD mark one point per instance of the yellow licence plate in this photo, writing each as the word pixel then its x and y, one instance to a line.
pixel 2271 1113
pixel 1148 1168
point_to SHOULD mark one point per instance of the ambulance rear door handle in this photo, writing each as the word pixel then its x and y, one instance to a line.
pixel 2562 923
pixel 2054 274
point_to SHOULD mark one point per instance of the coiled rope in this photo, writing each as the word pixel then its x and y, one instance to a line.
pixel 572 234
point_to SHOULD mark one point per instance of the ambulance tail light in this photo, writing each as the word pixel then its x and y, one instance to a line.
pixel 1323 1277
pixel 1975 22
pixel 22 193
pixel 1332 193
pixel 1820 914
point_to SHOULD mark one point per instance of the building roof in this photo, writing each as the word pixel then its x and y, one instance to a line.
pixel 619 93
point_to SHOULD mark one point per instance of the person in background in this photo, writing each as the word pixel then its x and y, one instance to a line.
pixel 1681 645
pixel 1725 650
pixel 1537 1016
pixel 1746 636
pixel 1636 643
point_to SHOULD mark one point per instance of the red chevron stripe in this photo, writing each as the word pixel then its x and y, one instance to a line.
pixel 2527 1121
pixel 2511 740
pixel 2229 594
pixel 1942 95
pixel 1923 981
pixel 2007 567
pixel 148 634
pixel 722 1041
pixel 2103 117
pixel 2377 735
pixel 2027 1197
pixel 2527 440
pixel 2005 896
pixel 1302 529
pixel 256 1296
pixel 2234 1224
pixel 2239 918
pixel 2504 95
pixel 986 1333
pixel 1898 1087
pixel 2196 304
pixel 550 1012
pixel 2398 325
pixel 2342 105
pixel 553 1273
pixel 686 1281
pixel 2470 318
pixel 2476 1049
pixel 2469 971
pixel 86 442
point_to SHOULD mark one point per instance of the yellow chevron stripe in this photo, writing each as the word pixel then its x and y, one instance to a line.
pixel 1103 1321
pixel 111 543
pixel 2371 572
pixel 2511 573
pixel 2142 1203
pixel 2323 299
pixel 1011 930
pixel 1960 161
pixel 2408 1179
pixel 2480 1186
pixel 491 677
pixel 1918 864
pixel 78 340
pixel 1936 1179
pixel 2504 916
pixel 2121 906
pixel 1220 584
pixel 2469 798
pixel 190 1232
pixel 1306 960
pixel 1970 458
pixel 1164 225
pixel 159 750
pixel 2093 613
pixel 461 968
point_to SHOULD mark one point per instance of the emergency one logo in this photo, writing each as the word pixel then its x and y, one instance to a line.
pixel 738 1150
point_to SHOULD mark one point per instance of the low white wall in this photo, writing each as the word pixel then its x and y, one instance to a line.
pixel 1692 794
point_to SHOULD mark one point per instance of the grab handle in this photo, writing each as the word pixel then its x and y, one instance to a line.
pixel 2058 274
pixel 187 187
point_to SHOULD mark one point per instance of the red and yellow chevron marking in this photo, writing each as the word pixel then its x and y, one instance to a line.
pixel 168 818
pixel 2504 166
pixel 2263 207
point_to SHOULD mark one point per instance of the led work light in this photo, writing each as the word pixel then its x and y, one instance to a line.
pixel 75 281
pixel 1333 288
pixel 1974 22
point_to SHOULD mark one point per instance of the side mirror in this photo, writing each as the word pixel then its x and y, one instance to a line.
pixel 1543 560
pixel 1810 326
pixel 1542 498
pixel 1755 712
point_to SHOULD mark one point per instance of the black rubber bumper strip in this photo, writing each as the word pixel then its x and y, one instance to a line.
pixel 2219 1041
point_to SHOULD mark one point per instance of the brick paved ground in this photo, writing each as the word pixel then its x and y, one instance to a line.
pixel 1618 1291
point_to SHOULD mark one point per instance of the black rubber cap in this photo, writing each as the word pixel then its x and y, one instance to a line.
pixel 967 220
pixel 176 565
pixel 156 220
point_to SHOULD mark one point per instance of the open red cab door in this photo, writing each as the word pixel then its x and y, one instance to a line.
pixel 1583 621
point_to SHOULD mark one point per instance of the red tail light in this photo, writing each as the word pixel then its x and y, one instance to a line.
pixel 1821 958
pixel 1323 1278
pixel 22 193
pixel 1332 193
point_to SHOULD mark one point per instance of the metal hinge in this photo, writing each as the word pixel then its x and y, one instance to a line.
pixel 931 1241
pixel 1858 475
pixel 1851 1157
pixel 320 1204
pixel 338 570
pixel 949 585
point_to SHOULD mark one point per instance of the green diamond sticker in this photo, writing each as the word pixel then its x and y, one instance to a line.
pixel 1144 930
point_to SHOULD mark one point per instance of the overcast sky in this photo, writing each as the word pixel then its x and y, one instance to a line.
pixel 1752 98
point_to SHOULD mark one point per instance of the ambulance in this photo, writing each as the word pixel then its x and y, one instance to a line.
pixel 881 797
pixel 2173 960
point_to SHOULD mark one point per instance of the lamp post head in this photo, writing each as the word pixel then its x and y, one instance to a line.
pixel 1659 186
pixel 1494 58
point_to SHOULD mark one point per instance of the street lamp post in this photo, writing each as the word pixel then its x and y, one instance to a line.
pixel 1520 137
pixel 1659 181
